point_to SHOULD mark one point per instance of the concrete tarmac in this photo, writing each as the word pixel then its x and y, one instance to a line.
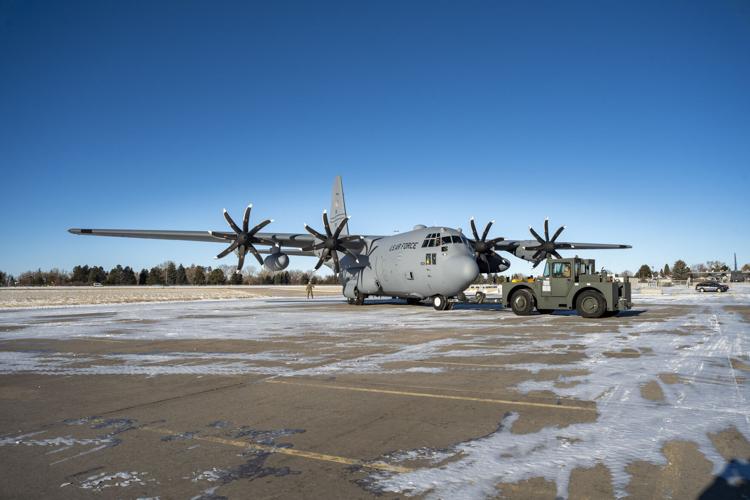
pixel 288 398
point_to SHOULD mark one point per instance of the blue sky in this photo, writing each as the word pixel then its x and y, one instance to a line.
pixel 627 121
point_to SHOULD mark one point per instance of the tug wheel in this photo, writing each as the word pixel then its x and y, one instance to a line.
pixel 591 304
pixel 522 302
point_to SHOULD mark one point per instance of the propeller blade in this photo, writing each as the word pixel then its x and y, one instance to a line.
pixel 315 233
pixel 260 226
pixel 320 263
pixel 557 255
pixel 246 218
pixel 254 251
pixel 487 229
pixel 322 259
pixel 350 238
pixel 536 235
pixel 335 256
pixel 228 250
pixel 474 229
pixel 326 225
pixel 226 236
pixel 495 240
pixel 536 264
pixel 231 222
pixel 241 260
pixel 350 254
pixel 546 229
pixel 340 228
pixel 537 254
pixel 557 233
pixel 313 247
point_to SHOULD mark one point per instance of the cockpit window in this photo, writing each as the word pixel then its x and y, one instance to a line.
pixel 446 240
pixel 432 240
pixel 456 239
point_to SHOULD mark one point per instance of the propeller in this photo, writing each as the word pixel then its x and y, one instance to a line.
pixel 243 239
pixel 546 245
pixel 331 243
pixel 482 246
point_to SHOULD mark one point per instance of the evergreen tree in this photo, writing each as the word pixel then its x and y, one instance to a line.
pixel 216 277
pixel 181 275
pixel 115 276
pixel 80 275
pixel 644 272
pixel 97 274
pixel 171 273
pixel 199 276
pixel 3 279
pixel 143 277
pixel 236 279
pixel 745 268
pixel 155 276
pixel 680 270
pixel 666 271
pixel 128 276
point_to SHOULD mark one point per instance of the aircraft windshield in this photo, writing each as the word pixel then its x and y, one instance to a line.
pixel 435 240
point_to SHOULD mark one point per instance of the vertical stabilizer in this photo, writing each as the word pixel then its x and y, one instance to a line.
pixel 338 207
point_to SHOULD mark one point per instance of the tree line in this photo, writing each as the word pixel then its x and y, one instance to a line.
pixel 167 273
pixel 681 271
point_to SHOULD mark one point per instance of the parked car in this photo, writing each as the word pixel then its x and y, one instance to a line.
pixel 711 286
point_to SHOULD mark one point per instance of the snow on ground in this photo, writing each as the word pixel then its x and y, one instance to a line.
pixel 710 397
pixel 707 395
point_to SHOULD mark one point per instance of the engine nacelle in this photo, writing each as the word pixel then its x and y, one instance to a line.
pixel 497 264
pixel 276 262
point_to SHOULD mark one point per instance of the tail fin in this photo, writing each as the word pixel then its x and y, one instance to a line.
pixel 338 207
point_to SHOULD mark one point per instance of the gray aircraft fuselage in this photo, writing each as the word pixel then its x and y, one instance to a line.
pixel 421 263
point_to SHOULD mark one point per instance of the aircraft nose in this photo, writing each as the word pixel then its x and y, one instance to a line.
pixel 463 269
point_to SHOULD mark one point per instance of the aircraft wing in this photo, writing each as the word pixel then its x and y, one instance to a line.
pixel 510 245
pixel 293 240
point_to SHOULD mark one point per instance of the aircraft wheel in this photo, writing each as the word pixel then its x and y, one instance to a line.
pixel 591 304
pixel 413 301
pixel 350 302
pixel 359 298
pixel 522 302
pixel 440 303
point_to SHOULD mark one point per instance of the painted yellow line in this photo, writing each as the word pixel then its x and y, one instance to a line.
pixel 285 451
pixel 436 396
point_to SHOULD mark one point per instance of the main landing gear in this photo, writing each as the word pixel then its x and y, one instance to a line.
pixel 441 303
pixel 358 300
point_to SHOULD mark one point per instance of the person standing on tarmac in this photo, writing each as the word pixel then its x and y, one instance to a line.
pixel 309 289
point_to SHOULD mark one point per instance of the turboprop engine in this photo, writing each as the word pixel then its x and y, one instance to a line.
pixel 276 262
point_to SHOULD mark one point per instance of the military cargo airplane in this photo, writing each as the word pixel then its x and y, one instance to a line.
pixel 435 263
